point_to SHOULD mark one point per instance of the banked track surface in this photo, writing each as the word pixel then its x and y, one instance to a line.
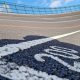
pixel 45 47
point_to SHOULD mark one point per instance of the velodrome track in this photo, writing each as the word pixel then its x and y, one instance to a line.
pixel 40 47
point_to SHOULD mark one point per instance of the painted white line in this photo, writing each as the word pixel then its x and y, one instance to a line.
pixel 13 48
pixel 40 21
pixel 64 35
pixel 15 72
pixel 24 72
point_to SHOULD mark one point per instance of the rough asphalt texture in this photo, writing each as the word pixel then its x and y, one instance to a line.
pixel 10 35
pixel 26 57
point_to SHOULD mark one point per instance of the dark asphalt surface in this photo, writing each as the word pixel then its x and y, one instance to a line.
pixel 50 66
pixel 14 32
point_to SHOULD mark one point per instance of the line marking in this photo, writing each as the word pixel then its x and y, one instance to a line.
pixel 14 72
pixel 13 48
pixel 40 21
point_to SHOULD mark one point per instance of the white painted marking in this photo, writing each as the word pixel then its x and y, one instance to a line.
pixel 65 51
pixel 40 21
pixel 38 57
pixel 77 64
pixel 27 72
pixel 57 49
pixel 13 48
pixel 15 72
pixel 64 35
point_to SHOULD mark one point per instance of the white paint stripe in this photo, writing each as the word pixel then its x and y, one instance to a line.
pixel 15 72
pixel 40 21
pixel 39 57
pixel 64 35
pixel 20 73
pixel 13 48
